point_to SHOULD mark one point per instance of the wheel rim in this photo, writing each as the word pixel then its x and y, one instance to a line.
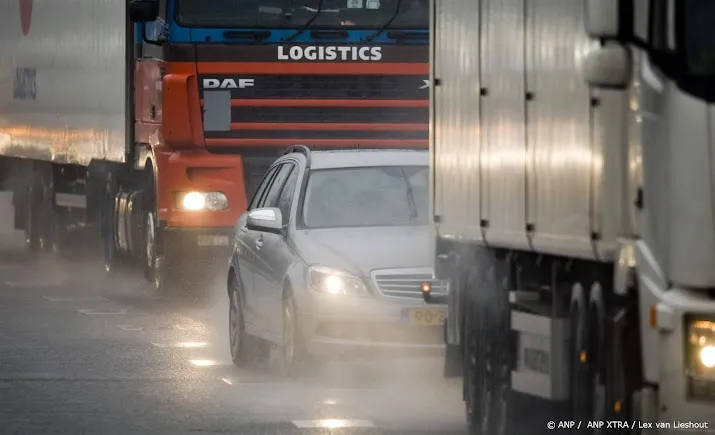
pixel 150 234
pixel 158 278
pixel 234 318
pixel 288 333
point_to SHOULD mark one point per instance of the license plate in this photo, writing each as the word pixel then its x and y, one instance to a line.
pixel 205 240
pixel 424 316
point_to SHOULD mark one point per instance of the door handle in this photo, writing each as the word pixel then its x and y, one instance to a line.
pixel 244 229
pixel 259 242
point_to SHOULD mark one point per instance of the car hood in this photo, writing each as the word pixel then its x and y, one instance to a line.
pixel 360 250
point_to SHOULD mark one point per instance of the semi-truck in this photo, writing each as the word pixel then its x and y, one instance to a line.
pixel 572 200
pixel 149 123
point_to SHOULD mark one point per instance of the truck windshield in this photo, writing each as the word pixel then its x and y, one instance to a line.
pixel 414 14
pixel 367 197
pixel 700 37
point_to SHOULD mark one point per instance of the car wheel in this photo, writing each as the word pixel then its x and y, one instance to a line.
pixel 237 328
pixel 289 350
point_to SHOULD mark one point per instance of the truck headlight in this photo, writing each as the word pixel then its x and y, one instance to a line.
pixel 707 356
pixel 334 282
pixel 195 201
pixel 701 356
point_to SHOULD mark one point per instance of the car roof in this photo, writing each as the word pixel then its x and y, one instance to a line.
pixel 367 157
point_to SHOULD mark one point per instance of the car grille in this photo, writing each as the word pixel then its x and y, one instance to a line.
pixel 406 284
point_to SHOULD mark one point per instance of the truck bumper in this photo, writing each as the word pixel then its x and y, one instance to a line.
pixel 206 248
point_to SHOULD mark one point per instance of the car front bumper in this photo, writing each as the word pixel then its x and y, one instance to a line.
pixel 346 326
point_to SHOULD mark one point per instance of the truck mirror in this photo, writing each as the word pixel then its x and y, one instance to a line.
pixel 143 11
pixel 602 18
pixel 609 67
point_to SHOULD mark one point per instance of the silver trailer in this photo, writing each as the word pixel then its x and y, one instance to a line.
pixel 65 107
pixel 573 200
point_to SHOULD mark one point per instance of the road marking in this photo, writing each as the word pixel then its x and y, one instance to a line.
pixel 330 423
pixel 146 328
pixel 185 345
pixel 130 328
pixel 33 284
pixel 203 362
pixel 102 313
pixel 84 299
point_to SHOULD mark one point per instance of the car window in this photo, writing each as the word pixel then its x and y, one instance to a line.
pixel 362 197
pixel 274 190
pixel 262 188
pixel 286 198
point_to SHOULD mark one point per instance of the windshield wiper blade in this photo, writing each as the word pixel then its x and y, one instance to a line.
pixel 307 24
pixel 410 198
pixel 384 27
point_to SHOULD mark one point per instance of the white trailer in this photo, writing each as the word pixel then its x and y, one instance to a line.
pixel 574 206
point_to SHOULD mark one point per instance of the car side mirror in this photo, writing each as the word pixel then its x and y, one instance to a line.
pixel 609 67
pixel 143 11
pixel 269 219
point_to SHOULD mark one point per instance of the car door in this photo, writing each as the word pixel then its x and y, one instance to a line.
pixel 278 256
pixel 262 269
pixel 245 253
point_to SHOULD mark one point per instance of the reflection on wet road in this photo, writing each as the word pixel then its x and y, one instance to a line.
pixel 80 353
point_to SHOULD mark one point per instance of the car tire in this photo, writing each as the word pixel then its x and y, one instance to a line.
pixel 290 351
pixel 238 339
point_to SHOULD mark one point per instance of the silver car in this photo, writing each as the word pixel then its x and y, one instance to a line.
pixel 333 255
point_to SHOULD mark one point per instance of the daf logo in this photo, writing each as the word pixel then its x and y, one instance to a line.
pixel 227 83
pixel 425 85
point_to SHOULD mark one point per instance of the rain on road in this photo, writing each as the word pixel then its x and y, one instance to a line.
pixel 82 353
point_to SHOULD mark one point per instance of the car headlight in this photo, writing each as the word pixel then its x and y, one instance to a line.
pixel 701 355
pixel 335 282
pixel 195 201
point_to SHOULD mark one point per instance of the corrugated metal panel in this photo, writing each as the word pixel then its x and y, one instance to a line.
pixel 504 149
pixel 457 139
pixel 62 79
pixel 566 188
pixel 546 157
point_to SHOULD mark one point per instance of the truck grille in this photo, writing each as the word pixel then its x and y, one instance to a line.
pixel 380 87
pixel 397 284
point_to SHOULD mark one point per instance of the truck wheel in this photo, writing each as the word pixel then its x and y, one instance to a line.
pixel 452 361
pixel 583 365
pixel 484 393
pixel 492 407
pixel 114 262
pixel 51 226
pixel 32 219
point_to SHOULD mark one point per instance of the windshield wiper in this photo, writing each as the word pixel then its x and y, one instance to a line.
pixel 387 24
pixel 410 198
pixel 307 24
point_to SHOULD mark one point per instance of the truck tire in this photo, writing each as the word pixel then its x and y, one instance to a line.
pixel 488 361
pixel 32 219
pixel 584 365
pixel 114 261
pixel 453 361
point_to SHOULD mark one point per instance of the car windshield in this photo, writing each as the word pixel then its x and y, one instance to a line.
pixel 700 37
pixel 367 197
pixel 414 14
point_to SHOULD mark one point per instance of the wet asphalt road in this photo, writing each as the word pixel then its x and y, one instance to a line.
pixel 82 353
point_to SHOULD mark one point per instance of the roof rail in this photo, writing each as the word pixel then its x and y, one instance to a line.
pixel 299 149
